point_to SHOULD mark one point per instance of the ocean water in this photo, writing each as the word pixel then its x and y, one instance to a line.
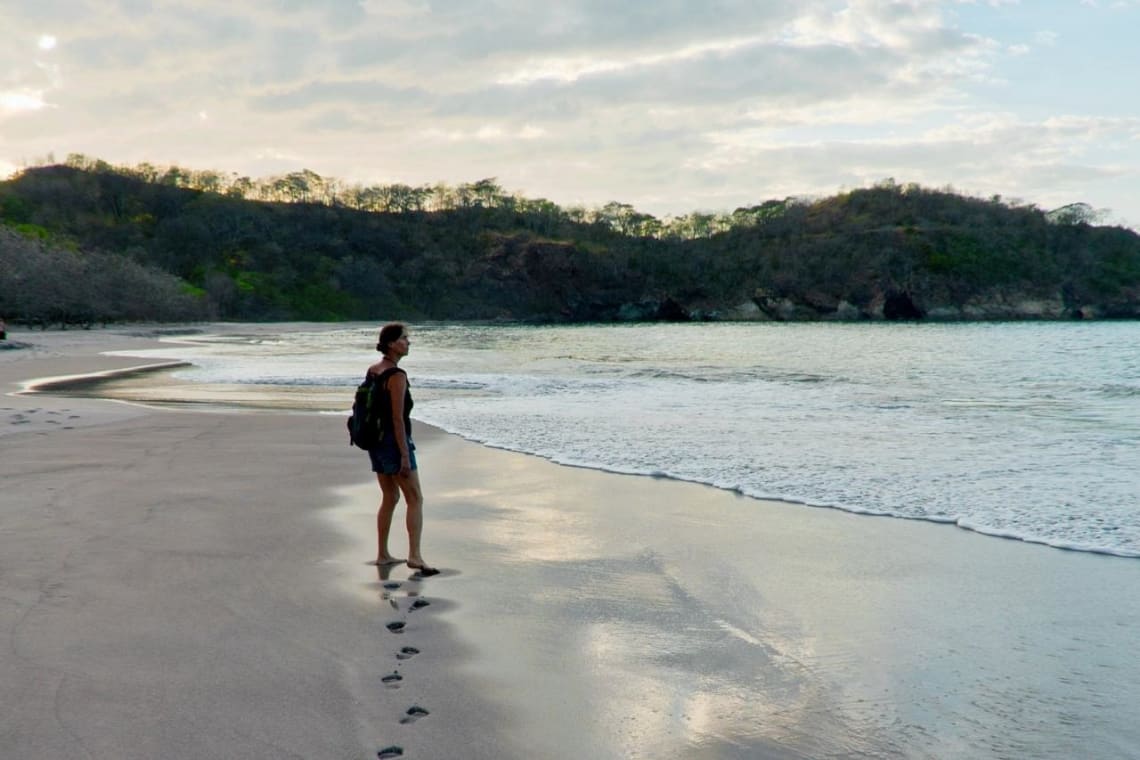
pixel 1029 431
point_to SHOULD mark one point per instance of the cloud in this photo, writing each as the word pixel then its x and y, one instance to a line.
pixel 15 102
pixel 1044 161
pixel 668 105
pixel 485 133
pixel 362 92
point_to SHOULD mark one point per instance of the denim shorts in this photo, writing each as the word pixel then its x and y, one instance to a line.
pixel 386 457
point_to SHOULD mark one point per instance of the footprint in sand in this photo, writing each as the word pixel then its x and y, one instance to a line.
pixel 414 713
pixel 396 626
pixel 419 604
pixel 389 752
pixel 392 585
pixel 392 680
pixel 407 653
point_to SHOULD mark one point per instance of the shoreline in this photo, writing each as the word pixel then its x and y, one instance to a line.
pixel 60 385
pixel 91 386
pixel 166 575
pixel 856 511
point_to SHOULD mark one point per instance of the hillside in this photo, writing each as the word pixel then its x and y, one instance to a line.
pixel 149 247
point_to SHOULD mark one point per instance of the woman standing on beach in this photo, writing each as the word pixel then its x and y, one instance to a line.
pixel 394 460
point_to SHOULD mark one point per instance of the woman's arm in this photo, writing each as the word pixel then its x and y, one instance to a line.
pixel 397 389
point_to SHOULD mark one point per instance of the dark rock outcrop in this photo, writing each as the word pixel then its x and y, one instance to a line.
pixel 900 306
pixel 671 311
pixel 897 305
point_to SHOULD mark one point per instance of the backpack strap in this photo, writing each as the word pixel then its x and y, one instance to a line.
pixel 382 378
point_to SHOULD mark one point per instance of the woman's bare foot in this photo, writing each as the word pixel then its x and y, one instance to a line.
pixel 422 567
pixel 383 561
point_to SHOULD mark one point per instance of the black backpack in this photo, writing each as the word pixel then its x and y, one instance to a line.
pixel 371 408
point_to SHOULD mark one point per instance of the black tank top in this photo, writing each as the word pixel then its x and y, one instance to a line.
pixel 386 425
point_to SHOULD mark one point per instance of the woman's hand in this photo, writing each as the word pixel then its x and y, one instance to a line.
pixel 405 466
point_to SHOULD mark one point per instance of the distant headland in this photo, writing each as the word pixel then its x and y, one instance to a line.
pixel 85 242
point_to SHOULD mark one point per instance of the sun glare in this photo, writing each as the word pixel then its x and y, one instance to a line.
pixel 47 42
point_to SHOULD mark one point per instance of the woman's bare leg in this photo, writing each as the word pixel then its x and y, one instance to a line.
pixel 389 498
pixel 414 498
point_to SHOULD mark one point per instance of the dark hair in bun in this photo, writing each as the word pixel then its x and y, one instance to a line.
pixel 389 334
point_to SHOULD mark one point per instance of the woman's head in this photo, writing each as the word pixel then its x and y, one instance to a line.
pixel 389 334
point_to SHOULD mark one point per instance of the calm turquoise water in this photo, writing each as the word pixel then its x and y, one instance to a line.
pixel 1028 431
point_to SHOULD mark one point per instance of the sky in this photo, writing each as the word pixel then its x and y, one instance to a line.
pixel 672 106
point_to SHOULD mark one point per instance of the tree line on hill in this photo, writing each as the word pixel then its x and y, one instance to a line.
pixel 306 186
pixel 86 242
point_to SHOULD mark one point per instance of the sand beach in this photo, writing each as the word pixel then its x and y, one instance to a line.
pixel 191 583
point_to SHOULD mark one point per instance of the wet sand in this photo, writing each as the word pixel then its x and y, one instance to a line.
pixel 170 586
pixel 188 584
